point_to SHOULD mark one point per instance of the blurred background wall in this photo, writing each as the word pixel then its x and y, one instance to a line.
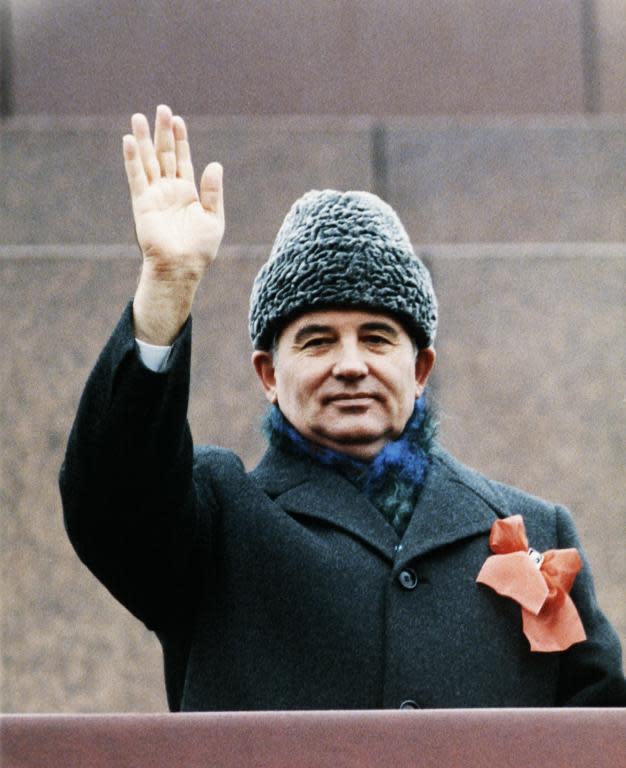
pixel 497 128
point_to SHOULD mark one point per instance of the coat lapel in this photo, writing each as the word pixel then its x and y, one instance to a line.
pixel 455 503
pixel 304 488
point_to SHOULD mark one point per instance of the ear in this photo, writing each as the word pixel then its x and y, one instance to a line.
pixel 424 363
pixel 263 363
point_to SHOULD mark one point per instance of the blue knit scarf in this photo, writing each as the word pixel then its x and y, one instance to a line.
pixel 392 480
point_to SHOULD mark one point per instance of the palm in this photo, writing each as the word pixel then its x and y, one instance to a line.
pixel 172 225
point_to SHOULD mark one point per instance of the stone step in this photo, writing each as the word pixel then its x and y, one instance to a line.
pixel 398 57
pixel 451 180
pixel 507 180
pixel 527 385
pixel 457 56
pixel 65 180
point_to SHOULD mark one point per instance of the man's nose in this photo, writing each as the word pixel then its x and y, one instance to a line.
pixel 350 363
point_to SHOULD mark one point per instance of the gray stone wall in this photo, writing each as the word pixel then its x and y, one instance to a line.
pixel 416 57
pixel 312 58
pixel 452 180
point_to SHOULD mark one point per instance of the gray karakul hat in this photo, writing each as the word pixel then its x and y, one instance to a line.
pixel 342 250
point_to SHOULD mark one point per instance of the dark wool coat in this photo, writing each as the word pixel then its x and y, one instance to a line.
pixel 284 588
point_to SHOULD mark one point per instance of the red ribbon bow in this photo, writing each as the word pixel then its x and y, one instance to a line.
pixel 539 583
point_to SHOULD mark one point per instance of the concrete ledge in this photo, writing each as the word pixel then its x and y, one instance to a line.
pixel 530 250
pixel 561 738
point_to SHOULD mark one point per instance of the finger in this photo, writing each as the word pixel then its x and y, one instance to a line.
pixel 184 167
pixel 164 141
pixel 135 172
pixel 141 132
pixel 212 189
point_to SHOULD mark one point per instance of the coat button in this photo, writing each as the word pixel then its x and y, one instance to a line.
pixel 408 578
pixel 409 704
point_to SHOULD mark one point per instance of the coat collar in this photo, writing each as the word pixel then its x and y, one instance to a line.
pixel 455 503
pixel 303 487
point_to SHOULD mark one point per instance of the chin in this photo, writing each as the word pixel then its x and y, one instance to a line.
pixel 362 451
pixel 362 429
pixel 360 441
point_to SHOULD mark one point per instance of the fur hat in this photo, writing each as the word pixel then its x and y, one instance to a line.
pixel 339 250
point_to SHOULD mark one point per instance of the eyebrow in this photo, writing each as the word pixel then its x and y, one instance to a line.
pixel 309 329
pixel 380 326
pixel 313 328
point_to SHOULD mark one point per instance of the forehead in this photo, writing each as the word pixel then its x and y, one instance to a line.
pixel 341 320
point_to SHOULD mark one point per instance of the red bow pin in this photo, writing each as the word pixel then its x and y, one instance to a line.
pixel 540 583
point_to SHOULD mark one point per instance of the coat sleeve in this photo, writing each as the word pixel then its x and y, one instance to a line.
pixel 590 673
pixel 131 507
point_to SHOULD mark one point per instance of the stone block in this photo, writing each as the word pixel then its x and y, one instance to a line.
pixel 507 180
pixel 64 180
pixel 266 57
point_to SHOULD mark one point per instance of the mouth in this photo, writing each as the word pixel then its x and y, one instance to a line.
pixel 352 398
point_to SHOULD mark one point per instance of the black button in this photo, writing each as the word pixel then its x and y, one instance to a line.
pixel 409 704
pixel 408 578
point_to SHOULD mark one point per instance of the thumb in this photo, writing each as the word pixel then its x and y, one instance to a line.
pixel 211 189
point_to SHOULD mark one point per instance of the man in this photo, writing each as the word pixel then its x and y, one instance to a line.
pixel 355 566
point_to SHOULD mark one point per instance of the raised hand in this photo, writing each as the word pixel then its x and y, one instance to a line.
pixel 179 231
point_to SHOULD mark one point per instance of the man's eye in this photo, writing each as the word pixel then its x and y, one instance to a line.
pixel 376 340
pixel 318 341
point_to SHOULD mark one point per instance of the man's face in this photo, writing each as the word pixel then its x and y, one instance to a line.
pixel 345 379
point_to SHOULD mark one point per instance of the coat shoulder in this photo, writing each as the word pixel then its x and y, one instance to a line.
pixel 216 471
pixel 540 515
pixel 215 456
